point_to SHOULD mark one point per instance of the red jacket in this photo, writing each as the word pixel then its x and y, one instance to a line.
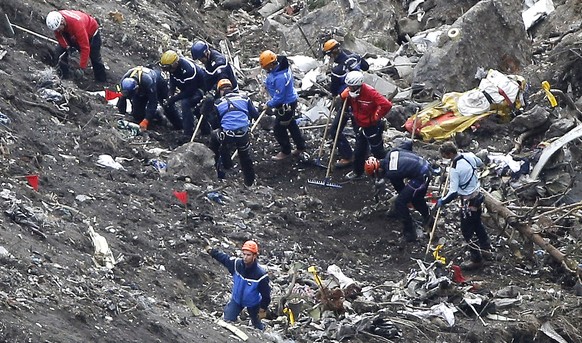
pixel 368 107
pixel 80 28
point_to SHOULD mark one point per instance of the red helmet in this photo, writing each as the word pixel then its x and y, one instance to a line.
pixel 251 246
pixel 372 165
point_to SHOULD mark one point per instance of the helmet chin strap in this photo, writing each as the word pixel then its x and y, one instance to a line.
pixel 354 94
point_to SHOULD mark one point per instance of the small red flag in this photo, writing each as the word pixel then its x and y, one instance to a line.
pixel 458 275
pixel 33 181
pixel 110 95
pixel 182 196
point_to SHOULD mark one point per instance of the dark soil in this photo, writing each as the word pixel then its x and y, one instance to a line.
pixel 51 289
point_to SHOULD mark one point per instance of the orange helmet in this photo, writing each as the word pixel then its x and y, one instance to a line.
pixel 267 57
pixel 251 246
pixel 372 165
pixel 330 45
pixel 223 83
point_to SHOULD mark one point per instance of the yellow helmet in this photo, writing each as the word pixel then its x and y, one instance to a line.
pixel 330 45
pixel 267 57
pixel 168 58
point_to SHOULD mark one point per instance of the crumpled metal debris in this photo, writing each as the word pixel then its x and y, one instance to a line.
pixel 24 216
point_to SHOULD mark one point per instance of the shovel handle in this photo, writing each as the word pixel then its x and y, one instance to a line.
pixel 436 218
pixel 197 127
pixel 234 154
pixel 337 133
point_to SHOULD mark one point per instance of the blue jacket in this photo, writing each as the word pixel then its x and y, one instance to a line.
pixel 280 84
pixel 217 68
pixel 189 79
pixel 464 177
pixel 235 110
pixel 345 62
pixel 400 164
pixel 251 285
pixel 151 84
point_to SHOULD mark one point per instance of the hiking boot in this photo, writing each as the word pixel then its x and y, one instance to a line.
pixel 472 265
pixel 280 156
pixel 488 255
pixel 343 163
pixel 297 152
pixel 353 176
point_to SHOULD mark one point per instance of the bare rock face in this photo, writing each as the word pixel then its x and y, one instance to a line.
pixel 491 35
pixel 192 160
pixel 374 19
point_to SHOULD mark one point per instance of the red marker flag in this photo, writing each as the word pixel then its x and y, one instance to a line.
pixel 33 181
pixel 110 95
pixel 182 196
pixel 458 275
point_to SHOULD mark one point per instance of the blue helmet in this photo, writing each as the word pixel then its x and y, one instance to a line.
pixel 199 49
pixel 128 85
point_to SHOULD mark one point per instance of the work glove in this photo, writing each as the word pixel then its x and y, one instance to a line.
pixel 379 188
pixel 71 50
pixel 78 73
pixel 143 125
pixel 439 204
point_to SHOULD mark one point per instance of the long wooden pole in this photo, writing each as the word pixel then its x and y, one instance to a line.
pixel 436 217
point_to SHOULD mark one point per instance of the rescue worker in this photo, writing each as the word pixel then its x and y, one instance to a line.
pixel 464 183
pixel 190 80
pixel 145 88
pixel 250 288
pixel 402 164
pixel 215 64
pixel 368 108
pixel 344 62
pixel 80 31
pixel 234 111
pixel 280 86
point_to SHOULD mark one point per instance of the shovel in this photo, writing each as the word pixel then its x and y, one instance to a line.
pixel 10 28
pixel 252 129
pixel 197 127
pixel 436 218
pixel 326 182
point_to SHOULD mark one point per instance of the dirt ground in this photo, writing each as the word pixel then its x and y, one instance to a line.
pixel 50 288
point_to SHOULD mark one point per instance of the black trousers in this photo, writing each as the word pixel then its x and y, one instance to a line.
pixel 285 125
pixel 471 226
pixel 416 196
pixel 223 143
pixel 370 137
pixel 94 55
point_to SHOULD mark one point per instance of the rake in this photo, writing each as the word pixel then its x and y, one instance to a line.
pixel 327 181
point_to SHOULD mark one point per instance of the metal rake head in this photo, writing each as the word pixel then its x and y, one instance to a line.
pixel 324 183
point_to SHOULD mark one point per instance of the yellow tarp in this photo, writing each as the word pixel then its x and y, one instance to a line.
pixel 443 120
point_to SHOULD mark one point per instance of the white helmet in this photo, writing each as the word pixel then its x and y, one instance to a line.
pixel 354 78
pixel 54 20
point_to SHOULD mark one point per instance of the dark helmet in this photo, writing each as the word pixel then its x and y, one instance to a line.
pixel 128 85
pixel 199 49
